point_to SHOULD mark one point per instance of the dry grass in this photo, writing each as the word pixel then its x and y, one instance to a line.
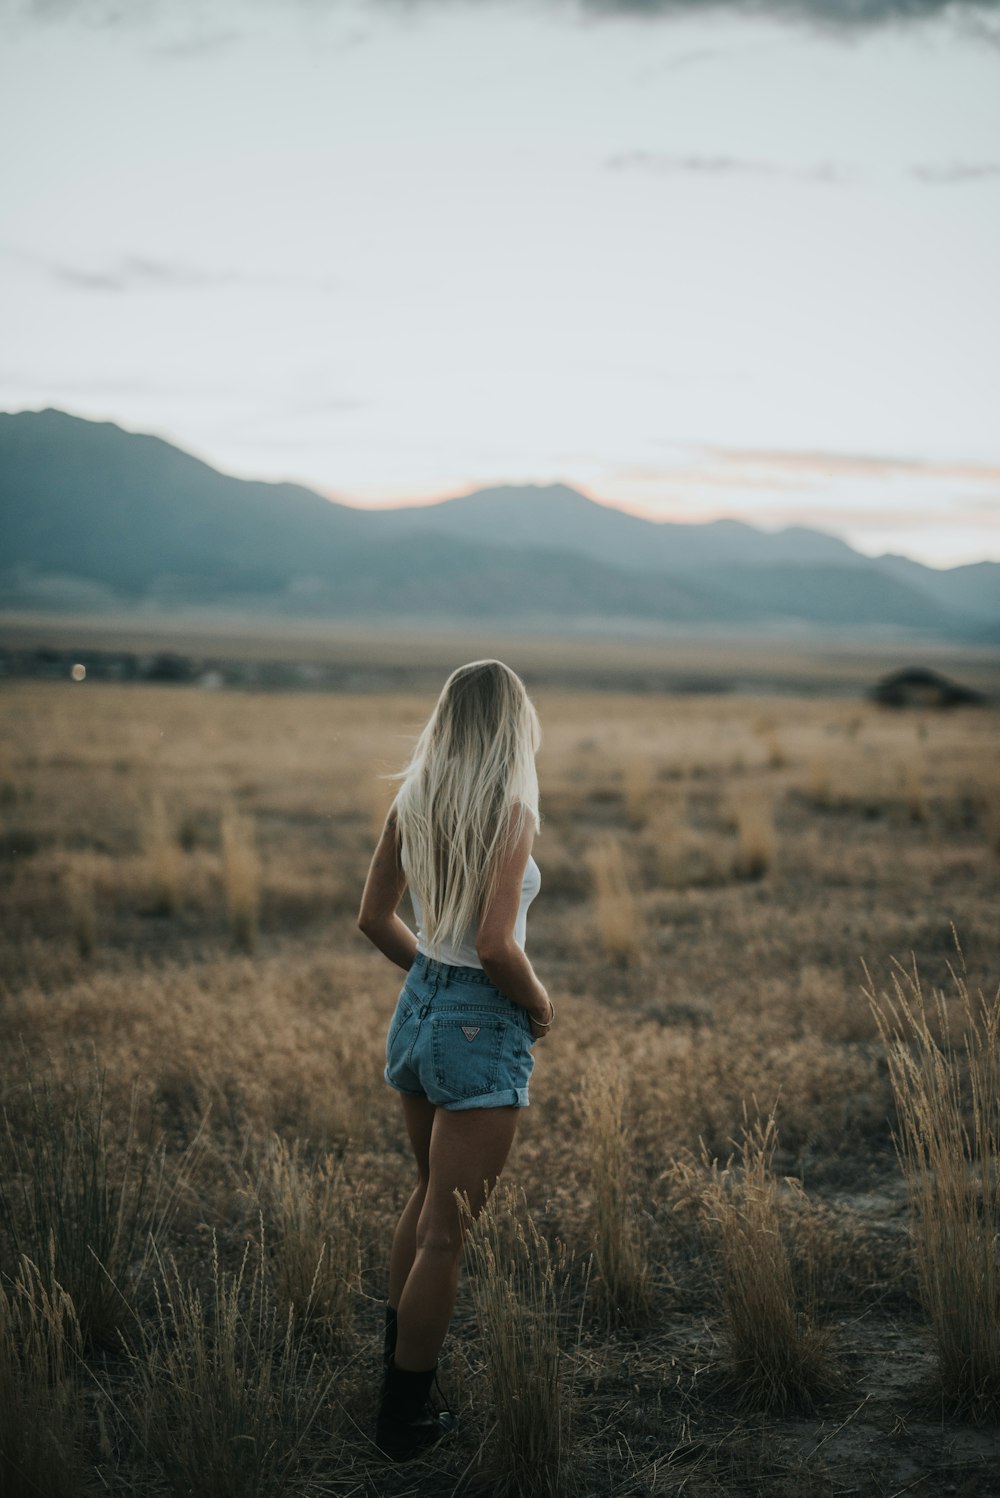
pixel 755 851
pixel 80 1206
pixel 272 1058
pixel 778 1358
pixel 518 1282
pixel 616 912
pixel 241 878
pixel 947 1089
pixel 820 783
pixel 41 1412
pixel 992 818
pixel 311 1219
pixel 163 856
pixel 223 1400
pixel 914 792
pixel 637 789
pixel 622 1286
pixel 777 759
pixel 82 903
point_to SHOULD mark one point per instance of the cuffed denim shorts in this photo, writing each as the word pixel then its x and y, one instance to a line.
pixel 455 1039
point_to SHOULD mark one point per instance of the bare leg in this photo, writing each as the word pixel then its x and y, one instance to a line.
pixel 419 1116
pixel 467 1148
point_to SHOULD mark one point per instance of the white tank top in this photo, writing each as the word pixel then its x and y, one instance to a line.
pixel 463 953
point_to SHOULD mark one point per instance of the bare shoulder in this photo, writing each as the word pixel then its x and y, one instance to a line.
pixel 517 841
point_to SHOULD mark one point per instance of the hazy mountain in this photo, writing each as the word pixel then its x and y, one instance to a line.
pixel 95 517
pixel 558 517
pixel 124 510
pixel 974 588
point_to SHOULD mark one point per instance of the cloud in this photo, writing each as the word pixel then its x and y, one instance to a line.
pixel 663 164
pixel 130 272
pixel 853 465
pixel 832 15
pixel 210 45
pixel 956 171
pixel 841 13
pixel 144 273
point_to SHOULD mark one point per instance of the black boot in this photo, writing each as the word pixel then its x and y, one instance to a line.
pixel 407 1421
pixel 389 1343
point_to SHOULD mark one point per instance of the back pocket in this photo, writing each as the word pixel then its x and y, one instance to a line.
pixel 468 1052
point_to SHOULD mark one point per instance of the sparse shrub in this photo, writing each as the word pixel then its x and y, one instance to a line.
pixel 914 794
pixel 637 789
pixel 947 1091
pixel 189 831
pixel 163 857
pixel 622 1287
pixel 617 915
pixel 685 857
pixel 82 904
pixel 820 784
pixel 241 878
pixel 84 1211
pixel 777 759
pixel 224 1396
pixel 777 1358
pixel 41 1353
pixel 667 836
pixel 754 854
pixel 518 1286
pixel 312 1217
pixel 992 818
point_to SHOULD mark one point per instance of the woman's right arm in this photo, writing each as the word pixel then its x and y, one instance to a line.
pixel 383 891
pixel 504 962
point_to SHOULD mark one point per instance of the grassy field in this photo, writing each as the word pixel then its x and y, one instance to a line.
pixel 712 1272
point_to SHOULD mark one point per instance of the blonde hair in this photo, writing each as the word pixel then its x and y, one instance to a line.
pixel 465 795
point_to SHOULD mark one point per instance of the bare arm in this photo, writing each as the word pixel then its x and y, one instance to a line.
pixel 383 891
pixel 504 962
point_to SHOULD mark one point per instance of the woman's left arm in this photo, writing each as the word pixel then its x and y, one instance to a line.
pixel 383 891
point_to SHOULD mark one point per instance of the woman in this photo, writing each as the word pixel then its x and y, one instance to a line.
pixel 458 1051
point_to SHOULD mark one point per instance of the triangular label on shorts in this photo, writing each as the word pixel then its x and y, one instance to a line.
pixel 470 1031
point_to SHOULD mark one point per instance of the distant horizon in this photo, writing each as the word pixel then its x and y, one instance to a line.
pixel 417 500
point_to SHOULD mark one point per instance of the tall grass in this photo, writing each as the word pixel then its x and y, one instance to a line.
pixel 84 1209
pixel 41 1418
pixel 914 792
pixel 163 859
pixel 755 835
pixel 777 759
pixel 241 877
pixel 778 1359
pixel 637 789
pixel 618 920
pixel 224 1397
pixel 820 783
pixel 82 904
pixel 519 1286
pixel 622 1287
pixel 947 1092
pixel 992 818
pixel 312 1217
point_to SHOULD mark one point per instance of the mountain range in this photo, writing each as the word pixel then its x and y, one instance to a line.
pixel 94 517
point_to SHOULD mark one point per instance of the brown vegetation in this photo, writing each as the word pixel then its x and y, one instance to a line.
pixel 202 1167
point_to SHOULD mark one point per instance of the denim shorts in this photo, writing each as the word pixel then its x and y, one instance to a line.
pixel 455 1039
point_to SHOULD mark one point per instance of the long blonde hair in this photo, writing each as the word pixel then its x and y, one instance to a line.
pixel 469 787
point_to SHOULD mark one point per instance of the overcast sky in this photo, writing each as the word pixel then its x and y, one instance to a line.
pixel 695 260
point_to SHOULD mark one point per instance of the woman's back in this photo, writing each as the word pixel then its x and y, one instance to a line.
pixel 462 952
